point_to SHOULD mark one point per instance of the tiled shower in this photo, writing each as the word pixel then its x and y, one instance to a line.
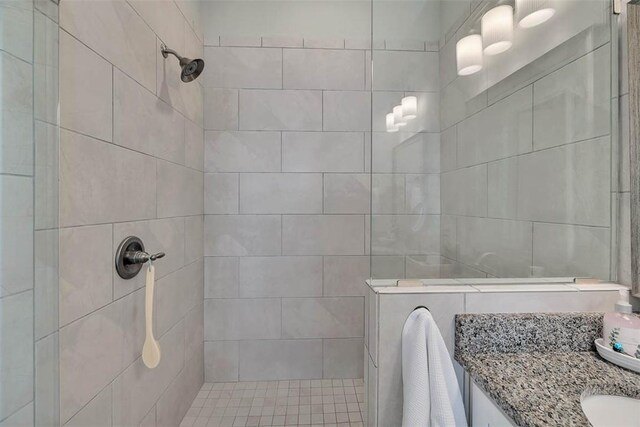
pixel 275 189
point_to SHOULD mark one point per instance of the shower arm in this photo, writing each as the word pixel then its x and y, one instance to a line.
pixel 166 52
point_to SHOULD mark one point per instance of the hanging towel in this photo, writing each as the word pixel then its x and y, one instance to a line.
pixel 432 396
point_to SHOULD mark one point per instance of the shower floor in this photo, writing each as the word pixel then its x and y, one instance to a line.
pixel 278 403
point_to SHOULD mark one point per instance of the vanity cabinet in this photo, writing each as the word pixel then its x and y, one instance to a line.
pixel 484 412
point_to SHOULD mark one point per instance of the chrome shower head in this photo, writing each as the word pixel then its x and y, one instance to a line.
pixel 191 68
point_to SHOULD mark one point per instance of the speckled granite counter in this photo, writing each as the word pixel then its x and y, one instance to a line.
pixel 536 366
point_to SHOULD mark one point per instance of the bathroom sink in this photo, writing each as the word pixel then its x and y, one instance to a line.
pixel 608 411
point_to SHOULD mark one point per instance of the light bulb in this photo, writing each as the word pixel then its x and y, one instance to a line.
pixel 391 126
pixel 497 29
pixel 398 120
pixel 469 55
pixel 409 107
pixel 531 13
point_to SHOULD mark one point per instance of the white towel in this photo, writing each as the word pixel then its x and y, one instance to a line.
pixel 432 396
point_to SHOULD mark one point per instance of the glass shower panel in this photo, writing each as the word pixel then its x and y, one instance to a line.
pixel 29 213
pixel 506 169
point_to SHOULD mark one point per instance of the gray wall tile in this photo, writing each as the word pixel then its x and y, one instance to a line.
pixel 299 276
pixel 345 275
pixel 242 151
pixel 179 191
pixel 340 317
pixel 347 193
pixel 280 359
pixel 86 165
pixel 322 152
pixel 342 358
pixel 579 173
pixel 270 193
pixel 221 361
pixel 241 67
pixel 405 71
pixel 221 277
pixel 405 234
pixel 406 153
pixel 323 69
pixel 242 319
pixel 82 292
pixel 346 111
pixel 221 193
pixel 323 234
pixel 280 110
pixel 242 235
pixel 220 109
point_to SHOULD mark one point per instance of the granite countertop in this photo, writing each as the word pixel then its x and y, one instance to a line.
pixel 536 366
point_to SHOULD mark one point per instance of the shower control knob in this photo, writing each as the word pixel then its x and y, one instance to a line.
pixel 131 255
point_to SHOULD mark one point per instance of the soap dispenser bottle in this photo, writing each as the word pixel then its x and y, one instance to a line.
pixel 621 329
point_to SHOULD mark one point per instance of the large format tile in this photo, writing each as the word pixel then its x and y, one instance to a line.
pixel 117 33
pixel 347 193
pixel 83 290
pixel 47 375
pixel 174 403
pixel 422 194
pixel 85 91
pixel 322 152
pixel 280 359
pixel 221 194
pixel 323 234
pixel 573 103
pixel 569 250
pixel 342 358
pixel 96 413
pixel 241 67
pixel 176 294
pixel 179 191
pixel 402 152
pixel 95 182
pixel 345 275
pixel 464 191
pixel 221 275
pixel 269 193
pixel 405 234
pixel 388 193
pixel 158 235
pixel 346 111
pixel 16 234
pixel 242 151
pixel 220 109
pixel 144 123
pixel 540 302
pixel 323 69
pixel 242 319
pixel 165 19
pixel 241 235
pixel 501 130
pixel 331 317
pixel 193 238
pixel 221 361
pixel 194 330
pixel 16 36
pixel 16 104
pixel 502 189
pixel 405 71
pixel 568 184
pixel 497 247
pixel 299 276
pixel 47 152
pixel 193 145
pixel 138 388
pixel 16 372
pixel 95 348
pixel 46 282
pixel 280 110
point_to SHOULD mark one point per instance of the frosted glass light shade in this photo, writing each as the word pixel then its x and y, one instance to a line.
pixel 391 126
pixel 497 29
pixel 469 55
pixel 531 13
pixel 398 120
pixel 409 107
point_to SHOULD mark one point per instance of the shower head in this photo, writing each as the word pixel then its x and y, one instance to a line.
pixel 191 68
